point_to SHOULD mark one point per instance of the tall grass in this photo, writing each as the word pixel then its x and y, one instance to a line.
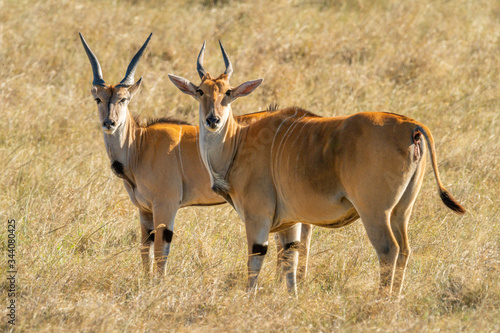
pixel 78 254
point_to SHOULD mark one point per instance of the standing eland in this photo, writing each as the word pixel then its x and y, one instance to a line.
pixel 296 166
pixel 159 162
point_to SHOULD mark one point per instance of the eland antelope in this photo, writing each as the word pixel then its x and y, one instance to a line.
pixel 159 162
pixel 293 165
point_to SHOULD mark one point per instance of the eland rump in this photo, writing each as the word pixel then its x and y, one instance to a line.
pixel 293 165
pixel 159 162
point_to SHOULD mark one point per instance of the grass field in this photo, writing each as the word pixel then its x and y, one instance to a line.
pixel 78 233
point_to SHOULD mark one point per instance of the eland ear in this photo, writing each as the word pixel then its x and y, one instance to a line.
pixel 133 89
pixel 184 85
pixel 246 88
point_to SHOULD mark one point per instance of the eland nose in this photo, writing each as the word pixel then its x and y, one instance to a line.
pixel 212 121
pixel 108 123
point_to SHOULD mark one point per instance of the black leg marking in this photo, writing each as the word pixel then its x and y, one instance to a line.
pixel 151 237
pixel 259 249
pixel 293 245
pixel 167 235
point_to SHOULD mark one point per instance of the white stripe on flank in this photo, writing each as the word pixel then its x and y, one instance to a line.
pixel 278 158
pixel 300 149
pixel 296 138
pixel 276 134
pixel 290 129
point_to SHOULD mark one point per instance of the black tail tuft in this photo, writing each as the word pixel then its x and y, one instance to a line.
pixel 450 202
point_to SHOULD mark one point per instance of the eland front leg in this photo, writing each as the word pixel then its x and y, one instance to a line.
pixel 164 232
pixel 305 243
pixel 147 239
pixel 257 231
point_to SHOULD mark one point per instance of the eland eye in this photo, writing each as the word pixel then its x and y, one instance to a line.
pixel 228 92
pixel 199 92
pixel 122 101
pixel 98 100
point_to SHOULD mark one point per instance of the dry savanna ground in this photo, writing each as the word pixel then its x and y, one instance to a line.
pixel 78 233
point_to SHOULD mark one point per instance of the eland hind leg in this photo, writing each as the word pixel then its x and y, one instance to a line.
pixel 378 229
pixel 279 256
pixel 303 249
pixel 400 217
pixel 399 225
pixel 375 188
pixel 374 208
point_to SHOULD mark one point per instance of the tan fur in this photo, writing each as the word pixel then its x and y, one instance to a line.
pixel 295 166
pixel 159 160
pixel 153 161
pixel 164 165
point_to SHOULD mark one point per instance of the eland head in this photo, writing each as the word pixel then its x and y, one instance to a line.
pixel 112 100
pixel 214 95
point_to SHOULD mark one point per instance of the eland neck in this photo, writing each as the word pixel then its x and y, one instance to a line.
pixel 218 150
pixel 119 144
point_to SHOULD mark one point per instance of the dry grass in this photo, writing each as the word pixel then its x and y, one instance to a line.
pixel 78 256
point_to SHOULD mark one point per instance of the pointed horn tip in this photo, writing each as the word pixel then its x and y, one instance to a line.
pixel 199 62
pixel 147 40
pixel 81 38
pixel 221 45
pixel 203 47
